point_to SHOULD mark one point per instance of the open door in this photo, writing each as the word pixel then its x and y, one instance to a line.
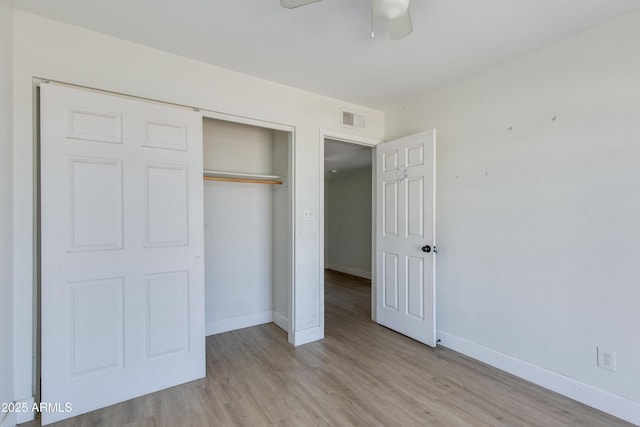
pixel 122 245
pixel 405 236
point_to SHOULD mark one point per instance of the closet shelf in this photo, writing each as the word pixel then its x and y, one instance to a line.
pixel 210 175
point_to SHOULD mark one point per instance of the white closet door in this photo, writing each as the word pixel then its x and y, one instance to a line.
pixel 122 248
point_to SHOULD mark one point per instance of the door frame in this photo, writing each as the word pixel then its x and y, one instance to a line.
pixel 291 196
pixel 358 140
pixel 34 232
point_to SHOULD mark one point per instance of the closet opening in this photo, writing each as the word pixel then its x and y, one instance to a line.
pixel 247 224
pixel 348 214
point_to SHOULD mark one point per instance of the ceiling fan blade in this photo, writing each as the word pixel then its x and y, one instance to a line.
pixel 400 27
pixel 290 4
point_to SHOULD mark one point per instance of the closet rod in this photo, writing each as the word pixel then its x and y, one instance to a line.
pixel 248 180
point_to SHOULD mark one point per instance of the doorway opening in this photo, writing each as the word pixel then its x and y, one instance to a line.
pixel 247 222
pixel 348 206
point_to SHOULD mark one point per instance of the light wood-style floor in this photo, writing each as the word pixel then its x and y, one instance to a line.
pixel 361 374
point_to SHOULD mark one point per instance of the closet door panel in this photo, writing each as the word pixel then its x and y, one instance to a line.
pixel 96 204
pixel 122 248
pixel 166 205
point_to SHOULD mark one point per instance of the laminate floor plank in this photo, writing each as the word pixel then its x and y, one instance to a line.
pixel 361 374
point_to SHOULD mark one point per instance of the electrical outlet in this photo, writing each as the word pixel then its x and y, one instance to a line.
pixel 606 359
pixel 307 215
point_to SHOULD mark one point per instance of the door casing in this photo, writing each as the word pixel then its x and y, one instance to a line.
pixel 352 139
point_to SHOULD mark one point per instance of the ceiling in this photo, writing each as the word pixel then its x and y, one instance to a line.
pixel 345 158
pixel 326 47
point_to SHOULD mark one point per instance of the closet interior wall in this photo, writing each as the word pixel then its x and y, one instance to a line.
pixel 247 227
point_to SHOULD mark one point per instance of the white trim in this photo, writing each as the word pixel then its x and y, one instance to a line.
pixel 352 139
pixel 306 336
pixel 246 120
pixel 205 113
pixel 291 182
pixel 374 239
pixel 25 417
pixel 239 322
pixel 346 137
pixel 8 419
pixel 350 270
pixel 605 401
pixel 281 321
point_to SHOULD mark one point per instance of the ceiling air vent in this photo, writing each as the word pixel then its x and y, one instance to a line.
pixel 353 120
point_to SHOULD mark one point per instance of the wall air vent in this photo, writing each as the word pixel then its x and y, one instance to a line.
pixel 353 120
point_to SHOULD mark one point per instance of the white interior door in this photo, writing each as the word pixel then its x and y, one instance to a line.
pixel 405 236
pixel 122 248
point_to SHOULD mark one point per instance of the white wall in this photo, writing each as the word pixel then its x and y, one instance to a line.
pixel 348 223
pixel 238 255
pixel 538 226
pixel 57 51
pixel 282 229
pixel 235 147
pixel 6 282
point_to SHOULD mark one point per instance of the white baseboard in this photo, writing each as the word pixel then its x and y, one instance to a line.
pixel 349 270
pixel 605 401
pixel 281 321
pixel 226 325
pixel 20 417
pixel 8 419
pixel 308 335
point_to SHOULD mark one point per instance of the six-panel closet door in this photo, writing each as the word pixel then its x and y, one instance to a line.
pixel 122 248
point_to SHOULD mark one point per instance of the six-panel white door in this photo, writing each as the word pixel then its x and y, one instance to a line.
pixel 121 248
pixel 405 236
